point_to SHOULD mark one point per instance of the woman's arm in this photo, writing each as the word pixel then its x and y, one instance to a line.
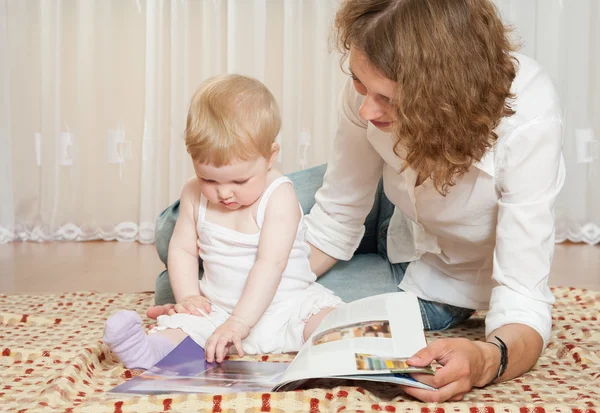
pixel 529 175
pixel 335 225
pixel 467 364
pixel 524 346
pixel 320 262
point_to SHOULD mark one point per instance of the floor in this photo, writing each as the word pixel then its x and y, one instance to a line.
pixel 28 267
pixel 77 266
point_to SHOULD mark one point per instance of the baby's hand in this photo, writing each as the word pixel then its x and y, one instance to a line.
pixel 190 305
pixel 231 332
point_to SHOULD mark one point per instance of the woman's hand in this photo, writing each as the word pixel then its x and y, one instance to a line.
pixel 465 364
pixel 231 332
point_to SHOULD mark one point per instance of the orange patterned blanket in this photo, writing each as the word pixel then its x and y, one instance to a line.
pixel 53 360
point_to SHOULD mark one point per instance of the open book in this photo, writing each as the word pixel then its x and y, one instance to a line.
pixel 368 339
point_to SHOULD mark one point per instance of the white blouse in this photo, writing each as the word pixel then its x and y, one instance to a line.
pixel 489 242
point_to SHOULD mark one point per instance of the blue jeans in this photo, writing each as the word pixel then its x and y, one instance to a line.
pixel 369 272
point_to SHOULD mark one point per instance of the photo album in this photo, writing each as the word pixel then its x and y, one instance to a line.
pixel 368 340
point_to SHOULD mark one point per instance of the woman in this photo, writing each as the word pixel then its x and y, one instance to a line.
pixel 464 138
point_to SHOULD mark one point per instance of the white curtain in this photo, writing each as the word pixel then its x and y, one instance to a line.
pixel 564 37
pixel 94 96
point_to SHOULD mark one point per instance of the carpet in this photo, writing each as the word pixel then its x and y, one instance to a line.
pixel 53 360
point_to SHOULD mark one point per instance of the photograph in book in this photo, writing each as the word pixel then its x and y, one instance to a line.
pixel 367 340
pixel 395 365
pixel 377 328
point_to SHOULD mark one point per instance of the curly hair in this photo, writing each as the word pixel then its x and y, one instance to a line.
pixel 453 66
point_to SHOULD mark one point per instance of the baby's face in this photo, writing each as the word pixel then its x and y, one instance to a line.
pixel 236 185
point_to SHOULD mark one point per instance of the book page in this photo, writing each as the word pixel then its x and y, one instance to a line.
pixel 371 336
pixel 185 370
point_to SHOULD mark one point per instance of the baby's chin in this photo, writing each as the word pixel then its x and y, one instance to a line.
pixel 232 206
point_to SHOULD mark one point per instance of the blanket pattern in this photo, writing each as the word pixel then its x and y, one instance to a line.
pixel 52 359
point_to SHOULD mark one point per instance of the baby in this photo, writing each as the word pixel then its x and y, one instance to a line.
pixel 243 219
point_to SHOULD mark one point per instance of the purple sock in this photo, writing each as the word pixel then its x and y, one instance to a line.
pixel 124 335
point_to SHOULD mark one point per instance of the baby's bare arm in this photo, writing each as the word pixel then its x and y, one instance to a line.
pixel 183 249
pixel 278 233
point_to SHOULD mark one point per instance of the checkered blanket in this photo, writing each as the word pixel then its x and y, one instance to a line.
pixel 53 360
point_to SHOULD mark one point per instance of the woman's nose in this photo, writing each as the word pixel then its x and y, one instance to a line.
pixel 370 109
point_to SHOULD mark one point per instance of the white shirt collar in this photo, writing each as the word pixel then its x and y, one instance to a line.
pixel 487 164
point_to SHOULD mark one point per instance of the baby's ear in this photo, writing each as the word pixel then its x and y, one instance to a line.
pixel 274 152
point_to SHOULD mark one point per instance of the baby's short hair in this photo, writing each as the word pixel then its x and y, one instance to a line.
pixel 231 117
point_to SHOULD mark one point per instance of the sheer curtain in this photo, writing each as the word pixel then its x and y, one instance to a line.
pixel 93 99
pixel 94 96
pixel 564 37
pixel 7 215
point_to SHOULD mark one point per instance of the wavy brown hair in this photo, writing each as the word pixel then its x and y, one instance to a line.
pixel 452 63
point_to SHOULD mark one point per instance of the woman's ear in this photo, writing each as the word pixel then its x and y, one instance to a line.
pixel 274 152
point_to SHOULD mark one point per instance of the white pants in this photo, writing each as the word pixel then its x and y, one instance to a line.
pixel 280 329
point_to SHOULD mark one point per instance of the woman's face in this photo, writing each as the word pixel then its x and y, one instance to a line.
pixel 378 91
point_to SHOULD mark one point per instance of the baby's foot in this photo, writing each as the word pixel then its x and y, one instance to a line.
pixel 124 335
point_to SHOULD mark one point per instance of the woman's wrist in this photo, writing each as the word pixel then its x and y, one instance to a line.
pixel 501 346
pixel 491 363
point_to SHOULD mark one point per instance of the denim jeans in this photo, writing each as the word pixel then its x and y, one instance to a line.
pixel 369 272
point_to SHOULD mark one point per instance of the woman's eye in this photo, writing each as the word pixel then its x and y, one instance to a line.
pixel 360 88
pixel 384 99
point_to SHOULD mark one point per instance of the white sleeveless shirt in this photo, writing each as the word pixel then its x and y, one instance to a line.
pixel 228 256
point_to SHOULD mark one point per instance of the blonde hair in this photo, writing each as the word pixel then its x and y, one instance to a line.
pixel 452 64
pixel 231 117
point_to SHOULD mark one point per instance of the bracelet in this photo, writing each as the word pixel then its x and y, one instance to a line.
pixel 503 358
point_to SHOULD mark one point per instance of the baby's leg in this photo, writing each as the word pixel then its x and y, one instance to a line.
pixel 314 321
pixel 125 336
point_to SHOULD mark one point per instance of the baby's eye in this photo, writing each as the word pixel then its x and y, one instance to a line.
pixel 241 182
pixel 208 181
